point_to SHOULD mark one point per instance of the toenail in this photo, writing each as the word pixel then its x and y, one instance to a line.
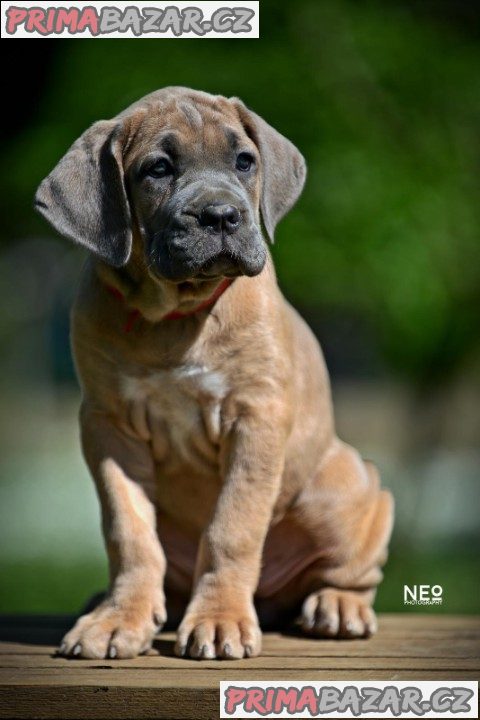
pixel 112 652
pixel 77 649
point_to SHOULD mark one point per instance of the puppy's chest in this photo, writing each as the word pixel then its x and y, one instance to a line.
pixel 178 411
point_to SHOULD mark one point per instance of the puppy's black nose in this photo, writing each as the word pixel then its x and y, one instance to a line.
pixel 220 218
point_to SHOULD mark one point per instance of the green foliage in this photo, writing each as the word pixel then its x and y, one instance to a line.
pixel 386 108
pixel 43 585
pixel 50 586
pixel 453 566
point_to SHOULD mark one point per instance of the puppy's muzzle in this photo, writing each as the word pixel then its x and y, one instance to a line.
pixel 207 237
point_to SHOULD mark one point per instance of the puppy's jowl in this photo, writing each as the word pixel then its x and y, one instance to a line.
pixel 206 418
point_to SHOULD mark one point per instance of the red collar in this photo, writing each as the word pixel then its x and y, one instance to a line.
pixel 135 314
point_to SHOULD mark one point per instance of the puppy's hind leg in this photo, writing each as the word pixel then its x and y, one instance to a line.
pixel 353 518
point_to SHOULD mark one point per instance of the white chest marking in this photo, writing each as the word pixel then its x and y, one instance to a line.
pixel 173 408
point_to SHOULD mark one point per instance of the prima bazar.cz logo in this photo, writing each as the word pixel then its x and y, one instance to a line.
pixel 124 19
pixel 422 595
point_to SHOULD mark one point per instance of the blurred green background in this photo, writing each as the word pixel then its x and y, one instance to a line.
pixel 381 255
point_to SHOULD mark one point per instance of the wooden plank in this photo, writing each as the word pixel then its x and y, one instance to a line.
pixel 108 703
pixel 204 677
pixel 48 630
pixel 292 662
pixel 36 683
pixel 388 621
pixel 124 703
pixel 454 643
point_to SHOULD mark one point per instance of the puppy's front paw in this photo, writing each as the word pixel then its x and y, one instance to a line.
pixel 338 613
pixel 112 631
pixel 228 634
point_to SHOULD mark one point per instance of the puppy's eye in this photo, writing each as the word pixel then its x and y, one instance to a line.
pixel 244 162
pixel 161 168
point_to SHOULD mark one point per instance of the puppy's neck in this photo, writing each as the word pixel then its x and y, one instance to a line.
pixel 154 299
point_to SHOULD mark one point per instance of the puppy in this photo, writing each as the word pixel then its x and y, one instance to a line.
pixel 206 418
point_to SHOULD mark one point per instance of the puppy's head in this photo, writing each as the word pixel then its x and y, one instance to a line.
pixel 185 177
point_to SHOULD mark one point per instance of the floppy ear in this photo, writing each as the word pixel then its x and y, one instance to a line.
pixel 284 169
pixel 84 197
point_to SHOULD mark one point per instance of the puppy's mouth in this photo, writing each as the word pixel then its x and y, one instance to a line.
pixel 221 265
pixel 179 257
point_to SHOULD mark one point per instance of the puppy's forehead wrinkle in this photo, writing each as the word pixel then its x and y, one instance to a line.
pixel 172 93
pixel 233 138
pixel 191 114
pixel 184 126
pixel 170 142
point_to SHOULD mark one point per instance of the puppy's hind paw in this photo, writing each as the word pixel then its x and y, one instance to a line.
pixel 333 613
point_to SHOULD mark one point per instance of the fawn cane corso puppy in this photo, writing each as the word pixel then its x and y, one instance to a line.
pixel 206 418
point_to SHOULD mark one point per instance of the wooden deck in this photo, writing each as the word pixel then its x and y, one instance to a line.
pixel 36 684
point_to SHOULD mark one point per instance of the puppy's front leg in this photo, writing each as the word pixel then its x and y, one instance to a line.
pixel 125 623
pixel 220 620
